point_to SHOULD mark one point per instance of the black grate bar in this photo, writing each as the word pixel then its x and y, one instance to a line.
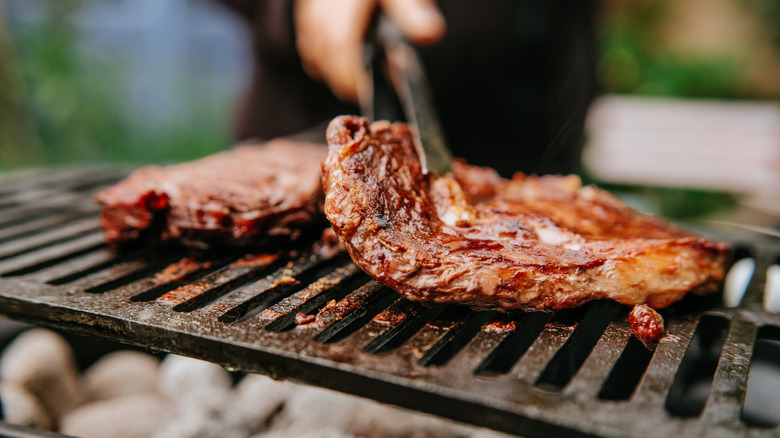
pixel 588 380
pixel 77 266
pixel 693 379
pixel 542 350
pixel 60 202
pixel 83 267
pixel 96 184
pixel 502 358
pixel 37 225
pixel 4 205
pixel 187 270
pixel 61 179
pixel 763 387
pixel 660 372
pixel 754 294
pixel 107 276
pixel 384 322
pixel 35 195
pixel 129 273
pixel 51 191
pixel 51 255
pixel 208 289
pixel 456 338
pixel 487 338
pixel 402 321
pixel 47 239
pixel 730 382
pixel 627 372
pixel 354 311
pixel 256 297
pixel 11 182
pixel 578 347
pixel 333 286
pixel 74 264
pixel 26 215
pixel 432 332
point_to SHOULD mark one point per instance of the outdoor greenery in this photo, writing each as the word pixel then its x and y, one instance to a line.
pixel 79 111
pixel 633 62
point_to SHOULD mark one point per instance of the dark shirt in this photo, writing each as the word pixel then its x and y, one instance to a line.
pixel 511 80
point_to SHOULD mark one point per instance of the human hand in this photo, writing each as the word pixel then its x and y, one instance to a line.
pixel 330 36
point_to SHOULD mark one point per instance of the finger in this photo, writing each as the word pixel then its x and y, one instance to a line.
pixel 330 37
pixel 343 71
pixel 420 20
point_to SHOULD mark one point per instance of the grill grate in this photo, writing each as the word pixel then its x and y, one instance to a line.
pixel 316 318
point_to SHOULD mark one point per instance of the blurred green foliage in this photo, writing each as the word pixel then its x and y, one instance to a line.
pixel 770 11
pixel 78 103
pixel 633 62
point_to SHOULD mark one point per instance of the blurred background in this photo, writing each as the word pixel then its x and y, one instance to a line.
pixel 688 125
pixel 689 119
pixel 117 80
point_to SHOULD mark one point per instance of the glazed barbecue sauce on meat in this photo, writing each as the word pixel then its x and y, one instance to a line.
pixel 474 238
pixel 245 196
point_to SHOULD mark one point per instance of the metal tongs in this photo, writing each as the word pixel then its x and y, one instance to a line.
pixel 390 56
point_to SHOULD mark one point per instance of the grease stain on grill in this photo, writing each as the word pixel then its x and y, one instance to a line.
pixel 354 311
pixel 459 333
pixel 403 326
pixel 258 297
pixel 304 319
pixel 508 352
pixel 193 296
pixel 178 270
pixel 124 279
pixel 395 315
pixel 500 325
pixel 183 272
pixel 311 299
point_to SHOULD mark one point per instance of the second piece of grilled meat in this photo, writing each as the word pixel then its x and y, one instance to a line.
pixel 246 196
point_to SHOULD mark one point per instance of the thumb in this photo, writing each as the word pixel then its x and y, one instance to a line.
pixel 420 20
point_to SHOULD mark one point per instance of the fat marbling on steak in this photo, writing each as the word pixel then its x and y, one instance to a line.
pixel 474 238
pixel 248 195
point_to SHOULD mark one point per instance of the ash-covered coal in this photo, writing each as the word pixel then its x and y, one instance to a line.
pixel 128 394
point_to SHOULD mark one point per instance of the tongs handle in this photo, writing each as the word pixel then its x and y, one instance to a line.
pixel 389 53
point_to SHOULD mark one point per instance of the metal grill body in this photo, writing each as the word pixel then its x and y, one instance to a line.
pixel 315 318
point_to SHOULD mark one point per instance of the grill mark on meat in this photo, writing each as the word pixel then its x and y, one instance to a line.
pixel 249 195
pixel 474 238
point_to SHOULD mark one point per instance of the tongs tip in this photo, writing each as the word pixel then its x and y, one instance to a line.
pixel 410 88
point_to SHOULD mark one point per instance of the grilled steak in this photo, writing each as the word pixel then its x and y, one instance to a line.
pixel 248 195
pixel 474 238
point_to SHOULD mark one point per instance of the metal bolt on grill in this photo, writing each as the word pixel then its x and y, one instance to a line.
pixel 318 319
